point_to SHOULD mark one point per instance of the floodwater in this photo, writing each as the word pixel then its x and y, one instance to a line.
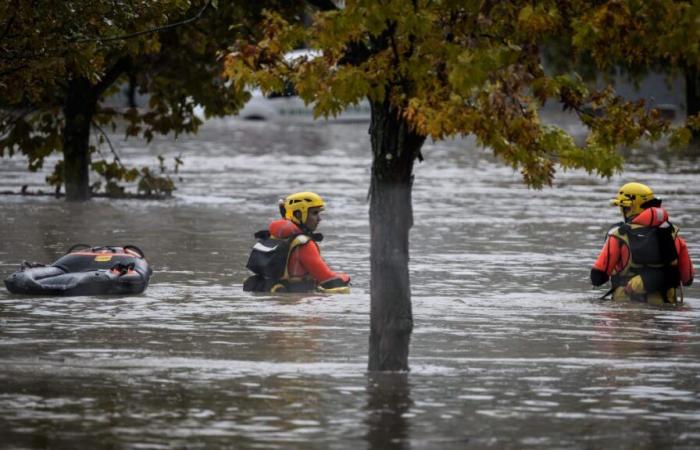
pixel 511 347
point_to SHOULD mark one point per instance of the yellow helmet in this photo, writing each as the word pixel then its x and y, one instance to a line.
pixel 301 201
pixel 633 198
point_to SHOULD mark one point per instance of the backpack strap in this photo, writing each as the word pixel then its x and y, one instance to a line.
pixel 262 234
pixel 623 229
pixel 296 241
pixel 300 239
pixel 613 229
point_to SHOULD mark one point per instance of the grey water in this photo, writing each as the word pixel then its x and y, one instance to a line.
pixel 511 348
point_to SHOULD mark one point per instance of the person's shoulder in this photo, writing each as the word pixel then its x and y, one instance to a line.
pixel 615 229
pixel 651 217
pixel 283 228
pixel 302 239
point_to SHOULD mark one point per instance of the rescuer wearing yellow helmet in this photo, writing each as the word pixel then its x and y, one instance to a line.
pixel 303 209
pixel 644 257
pixel 633 198
pixel 287 256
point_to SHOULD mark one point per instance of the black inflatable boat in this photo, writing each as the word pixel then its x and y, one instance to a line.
pixel 85 270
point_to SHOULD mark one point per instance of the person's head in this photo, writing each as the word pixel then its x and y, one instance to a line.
pixel 304 208
pixel 633 198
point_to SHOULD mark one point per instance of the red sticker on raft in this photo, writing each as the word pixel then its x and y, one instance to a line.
pixel 103 258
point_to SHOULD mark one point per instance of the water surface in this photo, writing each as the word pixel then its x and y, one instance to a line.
pixel 511 347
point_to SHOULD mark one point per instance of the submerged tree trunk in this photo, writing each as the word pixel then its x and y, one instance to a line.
pixel 394 148
pixel 78 110
pixel 388 401
pixel 692 95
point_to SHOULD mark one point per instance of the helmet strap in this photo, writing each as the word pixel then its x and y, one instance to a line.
pixel 302 225
pixel 626 213
pixel 305 229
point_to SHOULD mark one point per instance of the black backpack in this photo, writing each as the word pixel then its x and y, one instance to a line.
pixel 269 255
pixel 651 245
pixel 653 250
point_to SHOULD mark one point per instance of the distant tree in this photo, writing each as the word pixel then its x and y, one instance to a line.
pixel 59 60
pixel 435 69
pixel 639 35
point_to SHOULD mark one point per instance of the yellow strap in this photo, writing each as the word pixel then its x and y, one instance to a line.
pixel 278 287
pixel 296 242
pixel 337 290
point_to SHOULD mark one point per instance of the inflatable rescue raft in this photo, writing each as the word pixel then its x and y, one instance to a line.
pixel 85 270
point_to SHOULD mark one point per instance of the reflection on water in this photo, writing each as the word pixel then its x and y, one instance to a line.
pixel 388 406
pixel 511 349
pixel 638 333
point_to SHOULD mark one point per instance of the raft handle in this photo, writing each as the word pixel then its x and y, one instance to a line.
pixel 104 247
pixel 30 265
pixel 136 249
pixel 77 246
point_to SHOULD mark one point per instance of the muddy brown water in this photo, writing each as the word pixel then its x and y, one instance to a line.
pixel 511 347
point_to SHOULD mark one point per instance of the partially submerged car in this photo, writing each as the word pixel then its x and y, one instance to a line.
pixel 286 106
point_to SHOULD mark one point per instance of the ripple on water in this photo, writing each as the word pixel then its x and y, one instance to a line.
pixel 511 347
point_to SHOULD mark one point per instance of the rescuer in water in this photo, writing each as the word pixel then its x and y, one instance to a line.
pixel 287 257
pixel 644 257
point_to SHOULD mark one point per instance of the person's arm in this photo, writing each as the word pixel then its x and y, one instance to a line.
pixel 606 262
pixel 685 265
pixel 310 259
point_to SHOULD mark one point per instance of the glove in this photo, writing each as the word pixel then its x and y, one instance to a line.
pixel 635 286
pixel 598 277
pixel 340 280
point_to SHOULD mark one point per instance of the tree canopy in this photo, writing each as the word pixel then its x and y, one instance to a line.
pixel 472 68
pixel 59 60
pixel 639 36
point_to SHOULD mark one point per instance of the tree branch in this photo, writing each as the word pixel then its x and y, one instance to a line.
pixel 9 119
pixel 114 72
pixel 391 28
pixel 117 159
pixel 323 5
pixel 13 70
pixel 150 31
pixel 9 22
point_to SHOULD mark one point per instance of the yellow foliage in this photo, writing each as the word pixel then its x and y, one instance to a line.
pixel 466 68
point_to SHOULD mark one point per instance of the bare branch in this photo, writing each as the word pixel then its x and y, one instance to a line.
pixel 117 159
pixel 149 31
